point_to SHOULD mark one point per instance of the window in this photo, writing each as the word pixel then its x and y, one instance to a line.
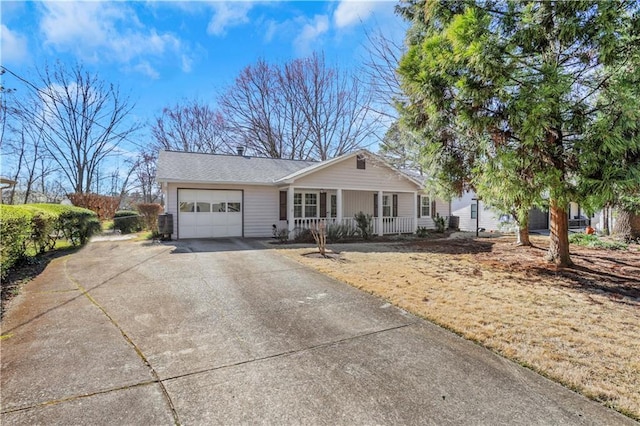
pixel 219 207
pixel 305 204
pixel 334 206
pixel 233 207
pixel 386 206
pixel 425 205
pixel 186 207
pixel 203 207
pixel 310 205
pixel 360 162
pixel 297 205
pixel 474 211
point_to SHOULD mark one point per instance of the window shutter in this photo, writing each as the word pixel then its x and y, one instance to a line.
pixel 375 205
pixel 433 208
pixel 283 205
pixel 323 204
pixel 395 205
pixel 419 206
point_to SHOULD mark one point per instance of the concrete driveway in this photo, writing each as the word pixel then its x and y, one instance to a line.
pixel 228 332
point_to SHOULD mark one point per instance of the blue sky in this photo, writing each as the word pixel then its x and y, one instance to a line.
pixel 162 52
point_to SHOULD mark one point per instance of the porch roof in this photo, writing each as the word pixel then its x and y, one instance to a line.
pixel 327 163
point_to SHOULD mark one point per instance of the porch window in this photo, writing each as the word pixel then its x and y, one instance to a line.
pixel 386 206
pixel 305 205
pixel 334 205
pixel 425 205
pixel 310 205
pixel 297 205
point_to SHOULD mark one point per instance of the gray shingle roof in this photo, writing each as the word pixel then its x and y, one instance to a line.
pixel 205 168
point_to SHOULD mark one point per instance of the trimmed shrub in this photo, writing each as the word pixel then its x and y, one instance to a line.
pixel 440 223
pixel 15 229
pixel 303 235
pixel 422 232
pixel 364 222
pixel 149 213
pixel 128 221
pixel 43 228
pixel 76 224
pixel 41 225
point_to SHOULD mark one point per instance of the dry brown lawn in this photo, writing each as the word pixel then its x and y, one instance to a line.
pixel 578 326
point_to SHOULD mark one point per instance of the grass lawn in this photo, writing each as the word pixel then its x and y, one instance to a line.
pixel 578 326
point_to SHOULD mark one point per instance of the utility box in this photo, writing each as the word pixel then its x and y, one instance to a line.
pixel 454 222
pixel 165 225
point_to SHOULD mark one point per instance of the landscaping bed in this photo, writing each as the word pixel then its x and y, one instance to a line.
pixel 578 325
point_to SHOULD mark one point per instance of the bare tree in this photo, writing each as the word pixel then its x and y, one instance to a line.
pixel 303 109
pixel 258 113
pixel 145 176
pixel 191 127
pixel 380 72
pixel 84 120
pixel 335 104
pixel 23 145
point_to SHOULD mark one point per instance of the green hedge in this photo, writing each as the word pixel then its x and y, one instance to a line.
pixel 15 231
pixel 40 225
pixel 128 221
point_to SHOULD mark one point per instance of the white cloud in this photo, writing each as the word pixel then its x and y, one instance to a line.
pixel 13 45
pixel 307 40
pixel 187 63
pixel 351 12
pixel 228 15
pixel 96 31
pixel 145 68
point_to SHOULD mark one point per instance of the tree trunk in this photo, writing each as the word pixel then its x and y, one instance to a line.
pixel 523 236
pixel 627 225
pixel 522 222
pixel 559 238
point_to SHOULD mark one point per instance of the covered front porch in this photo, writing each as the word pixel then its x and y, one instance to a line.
pixel 392 212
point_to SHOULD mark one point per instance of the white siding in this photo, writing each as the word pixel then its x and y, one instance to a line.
pixel 345 175
pixel 487 218
pixel 357 201
pixel 260 207
pixel 443 208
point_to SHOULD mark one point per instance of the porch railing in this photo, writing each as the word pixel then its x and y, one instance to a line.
pixel 390 225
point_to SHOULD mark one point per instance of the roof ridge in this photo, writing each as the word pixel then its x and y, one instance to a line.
pixel 236 155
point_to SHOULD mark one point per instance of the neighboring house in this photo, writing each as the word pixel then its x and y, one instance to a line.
pixel 473 213
pixel 212 195
pixel 6 184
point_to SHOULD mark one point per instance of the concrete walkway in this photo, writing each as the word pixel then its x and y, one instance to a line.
pixel 228 332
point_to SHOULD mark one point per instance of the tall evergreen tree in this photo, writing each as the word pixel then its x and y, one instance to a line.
pixel 528 77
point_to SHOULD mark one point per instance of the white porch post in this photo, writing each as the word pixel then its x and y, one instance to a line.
pixel 380 215
pixel 290 214
pixel 339 205
pixel 415 211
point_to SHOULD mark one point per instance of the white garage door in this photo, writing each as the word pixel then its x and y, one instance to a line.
pixel 206 213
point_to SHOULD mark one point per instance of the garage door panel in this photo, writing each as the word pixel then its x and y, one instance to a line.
pixel 205 213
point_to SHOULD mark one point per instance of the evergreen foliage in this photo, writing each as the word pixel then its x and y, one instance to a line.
pixel 539 98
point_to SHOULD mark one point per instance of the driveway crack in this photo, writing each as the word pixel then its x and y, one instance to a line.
pixel 126 337
pixel 291 352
